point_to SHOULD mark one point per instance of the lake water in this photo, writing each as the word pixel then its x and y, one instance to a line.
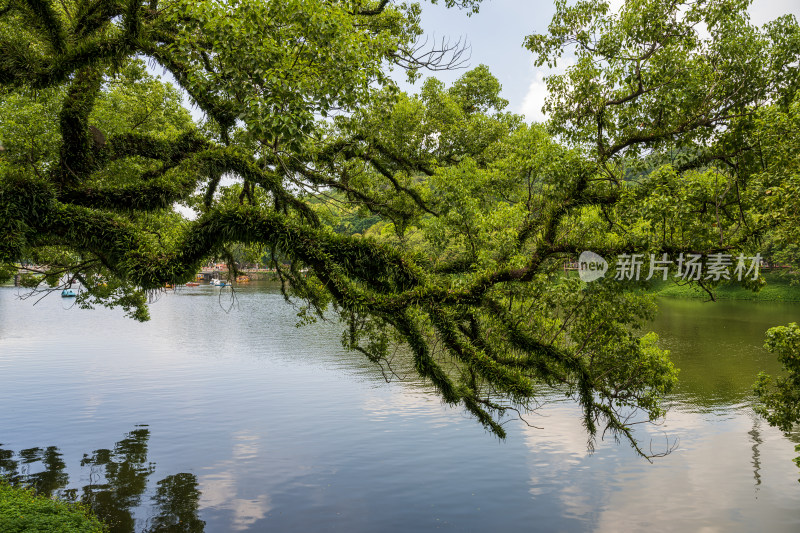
pixel 206 420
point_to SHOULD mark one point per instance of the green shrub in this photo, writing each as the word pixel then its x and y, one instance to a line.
pixel 21 510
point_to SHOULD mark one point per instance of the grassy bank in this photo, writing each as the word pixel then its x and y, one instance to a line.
pixel 779 288
pixel 22 511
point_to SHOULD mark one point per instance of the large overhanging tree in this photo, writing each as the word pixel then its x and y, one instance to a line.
pixel 479 211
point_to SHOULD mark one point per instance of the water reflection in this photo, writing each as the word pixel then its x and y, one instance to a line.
pixel 755 435
pixel 719 347
pixel 118 479
pixel 286 431
pixel 177 499
pixel 47 481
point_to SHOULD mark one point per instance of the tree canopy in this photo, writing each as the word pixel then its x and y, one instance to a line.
pixel 665 137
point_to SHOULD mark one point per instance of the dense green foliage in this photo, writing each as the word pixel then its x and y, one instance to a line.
pixel 470 213
pixel 23 511
pixel 780 397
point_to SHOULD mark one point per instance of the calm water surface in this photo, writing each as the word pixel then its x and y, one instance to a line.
pixel 203 420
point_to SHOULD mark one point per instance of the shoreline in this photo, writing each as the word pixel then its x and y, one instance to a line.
pixel 777 289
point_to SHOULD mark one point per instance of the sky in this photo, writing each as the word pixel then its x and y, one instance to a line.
pixel 497 32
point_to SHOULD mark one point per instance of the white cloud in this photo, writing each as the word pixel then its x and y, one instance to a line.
pixel 534 99
pixel 221 488
pixel 615 5
pixel 537 90
pixel 762 11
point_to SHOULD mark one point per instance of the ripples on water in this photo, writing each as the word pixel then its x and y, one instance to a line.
pixel 241 421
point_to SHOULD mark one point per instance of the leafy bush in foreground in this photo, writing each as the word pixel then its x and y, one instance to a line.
pixel 22 510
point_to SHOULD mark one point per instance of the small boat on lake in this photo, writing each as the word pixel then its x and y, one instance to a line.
pixel 68 293
pixel 218 282
pixel 192 284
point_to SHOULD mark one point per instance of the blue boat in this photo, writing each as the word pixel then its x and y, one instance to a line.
pixel 68 293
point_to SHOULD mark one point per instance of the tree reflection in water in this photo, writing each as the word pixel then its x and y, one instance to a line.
pixel 118 478
pixel 177 498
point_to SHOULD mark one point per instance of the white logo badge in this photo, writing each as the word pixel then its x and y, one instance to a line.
pixel 591 266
